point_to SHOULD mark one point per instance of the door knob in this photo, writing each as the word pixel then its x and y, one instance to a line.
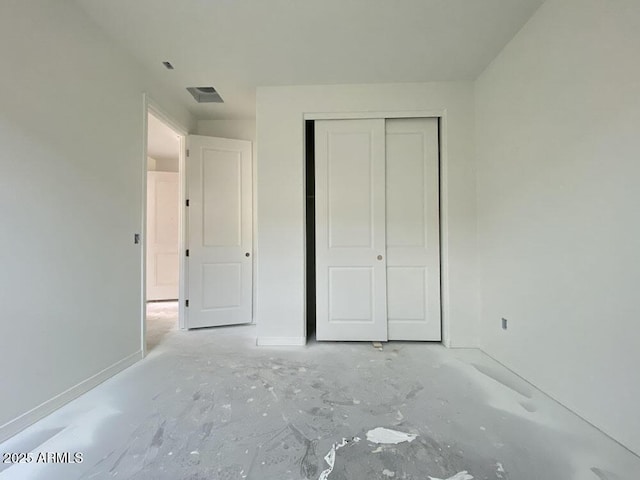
pixel 247 254
pixel 379 257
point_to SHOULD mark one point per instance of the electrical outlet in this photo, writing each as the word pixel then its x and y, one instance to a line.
pixel 504 323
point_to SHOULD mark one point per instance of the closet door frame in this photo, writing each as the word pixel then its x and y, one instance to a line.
pixel 441 115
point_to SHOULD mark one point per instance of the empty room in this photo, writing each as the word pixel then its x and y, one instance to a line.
pixel 319 239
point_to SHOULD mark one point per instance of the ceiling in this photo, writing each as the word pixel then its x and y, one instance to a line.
pixel 162 142
pixel 237 45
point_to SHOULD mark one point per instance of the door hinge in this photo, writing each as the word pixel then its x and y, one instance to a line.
pixel 186 303
pixel 187 152
pixel 187 252
pixel 187 202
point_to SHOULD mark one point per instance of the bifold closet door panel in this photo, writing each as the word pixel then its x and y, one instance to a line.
pixel 350 230
pixel 412 229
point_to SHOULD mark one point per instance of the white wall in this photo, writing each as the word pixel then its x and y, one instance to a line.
pixel 281 205
pixel 559 226
pixel 236 129
pixel 71 130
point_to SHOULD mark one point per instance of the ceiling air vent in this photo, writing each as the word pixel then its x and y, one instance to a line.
pixel 205 94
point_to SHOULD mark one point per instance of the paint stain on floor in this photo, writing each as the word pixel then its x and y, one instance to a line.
pixel 209 404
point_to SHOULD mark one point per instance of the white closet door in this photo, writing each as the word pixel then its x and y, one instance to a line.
pixel 350 230
pixel 412 226
pixel 162 236
pixel 219 232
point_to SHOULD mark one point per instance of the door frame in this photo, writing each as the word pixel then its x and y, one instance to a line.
pixel 150 106
pixel 443 193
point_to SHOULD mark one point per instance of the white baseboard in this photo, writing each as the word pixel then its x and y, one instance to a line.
pixel 281 341
pixel 18 424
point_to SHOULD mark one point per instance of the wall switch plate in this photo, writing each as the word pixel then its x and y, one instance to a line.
pixel 504 323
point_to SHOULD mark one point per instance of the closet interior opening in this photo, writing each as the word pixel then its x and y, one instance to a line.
pixel 310 215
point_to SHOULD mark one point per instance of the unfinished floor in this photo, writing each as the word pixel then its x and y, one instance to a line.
pixel 209 404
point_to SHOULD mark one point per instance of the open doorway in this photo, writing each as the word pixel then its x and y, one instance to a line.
pixel 163 239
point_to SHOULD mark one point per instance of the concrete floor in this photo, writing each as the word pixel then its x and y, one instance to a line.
pixel 209 404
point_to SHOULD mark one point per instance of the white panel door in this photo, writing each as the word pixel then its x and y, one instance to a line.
pixel 162 236
pixel 219 232
pixel 412 226
pixel 350 230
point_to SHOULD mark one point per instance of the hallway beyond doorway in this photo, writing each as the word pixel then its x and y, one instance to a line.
pixel 162 317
